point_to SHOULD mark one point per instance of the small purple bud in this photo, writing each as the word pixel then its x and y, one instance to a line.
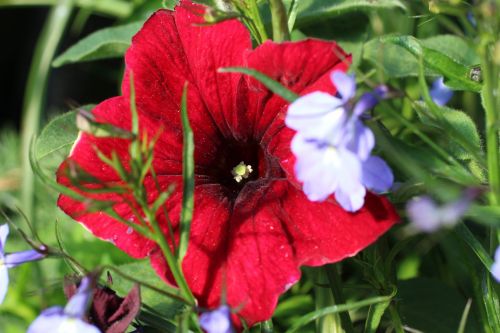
pixel 426 215
pixel 217 321
pixel 440 93
pixel 12 260
pixel 471 18
pixel 495 268
pixel 18 258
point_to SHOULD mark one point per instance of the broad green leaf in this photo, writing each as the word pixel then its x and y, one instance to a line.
pixel 431 306
pixel 464 130
pixel 142 271
pixel 310 11
pixel 102 44
pixel 454 47
pixel 56 139
pixel 437 61
pixel 489 215
pixel 396 61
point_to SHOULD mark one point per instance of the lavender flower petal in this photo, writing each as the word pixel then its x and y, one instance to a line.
pixel 54 320
pixel 452 212
pixel 77 305
pixel 440 93
pixel 4 282
pixel 377 175
pixel 495 268
pixel 217 321
pixel 345 84
pixel 360 140
pixel 4 232
pixel 315 114
pixel 315 167
pixel 366 102
pixel 424 214
pixel 350 193
pixel 17 258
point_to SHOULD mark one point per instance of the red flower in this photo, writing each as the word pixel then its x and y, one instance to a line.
pixel 248 238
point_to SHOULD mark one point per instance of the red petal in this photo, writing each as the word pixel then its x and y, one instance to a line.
pixel 261 264
pixel 207 245
pixel 172 49
pixel 324 232
pixel 107 228
pixel 298 66
pixel 245 255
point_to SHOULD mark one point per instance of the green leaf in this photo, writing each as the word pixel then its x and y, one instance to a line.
pixel 306 319
pixel 56 139
pixel 102 44
pixel 431 306
pixel 310 11
pixel 464 130
pixel 271 84
pixel 437 62
pixel 187 177
pixel 169 307
pixel 374 316
pixel 396 61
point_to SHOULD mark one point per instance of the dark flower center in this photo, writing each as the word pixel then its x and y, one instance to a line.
pixel 239 163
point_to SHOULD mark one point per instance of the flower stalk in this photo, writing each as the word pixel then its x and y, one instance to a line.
pixel 279 21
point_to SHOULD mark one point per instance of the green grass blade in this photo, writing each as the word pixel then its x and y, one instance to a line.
pixel 306 319
pixel 188 178
pixel 271 84
pixel 116 8
pixel 46 46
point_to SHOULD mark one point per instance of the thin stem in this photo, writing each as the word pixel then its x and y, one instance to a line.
pixel 35 93
pixel 267 326
pixel 173 264
pixel 257 20
pixel 491 127
pixel 279 21
pixel 116 8
pixel 338 297
pixel 170 294
pixel 396 320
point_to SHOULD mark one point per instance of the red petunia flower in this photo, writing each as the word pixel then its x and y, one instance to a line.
pixel 248 238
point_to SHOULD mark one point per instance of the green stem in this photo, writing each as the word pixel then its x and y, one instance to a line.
pixel 396 320
pixel 169 293
pixel 116 8
pixel 338 297
pixel 279 21
pixel 491 126
pixel 35 93
pixel 173 264
pixel 253 11
pixel 267 326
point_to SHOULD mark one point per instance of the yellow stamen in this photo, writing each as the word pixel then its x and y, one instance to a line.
pixel 241 171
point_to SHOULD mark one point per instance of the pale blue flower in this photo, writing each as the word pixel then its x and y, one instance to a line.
pixel 217 321
pixel 440 93
pixel 333 147
pixel 70 318
pixel 12 260
pixel 495 268
pixel 427 216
